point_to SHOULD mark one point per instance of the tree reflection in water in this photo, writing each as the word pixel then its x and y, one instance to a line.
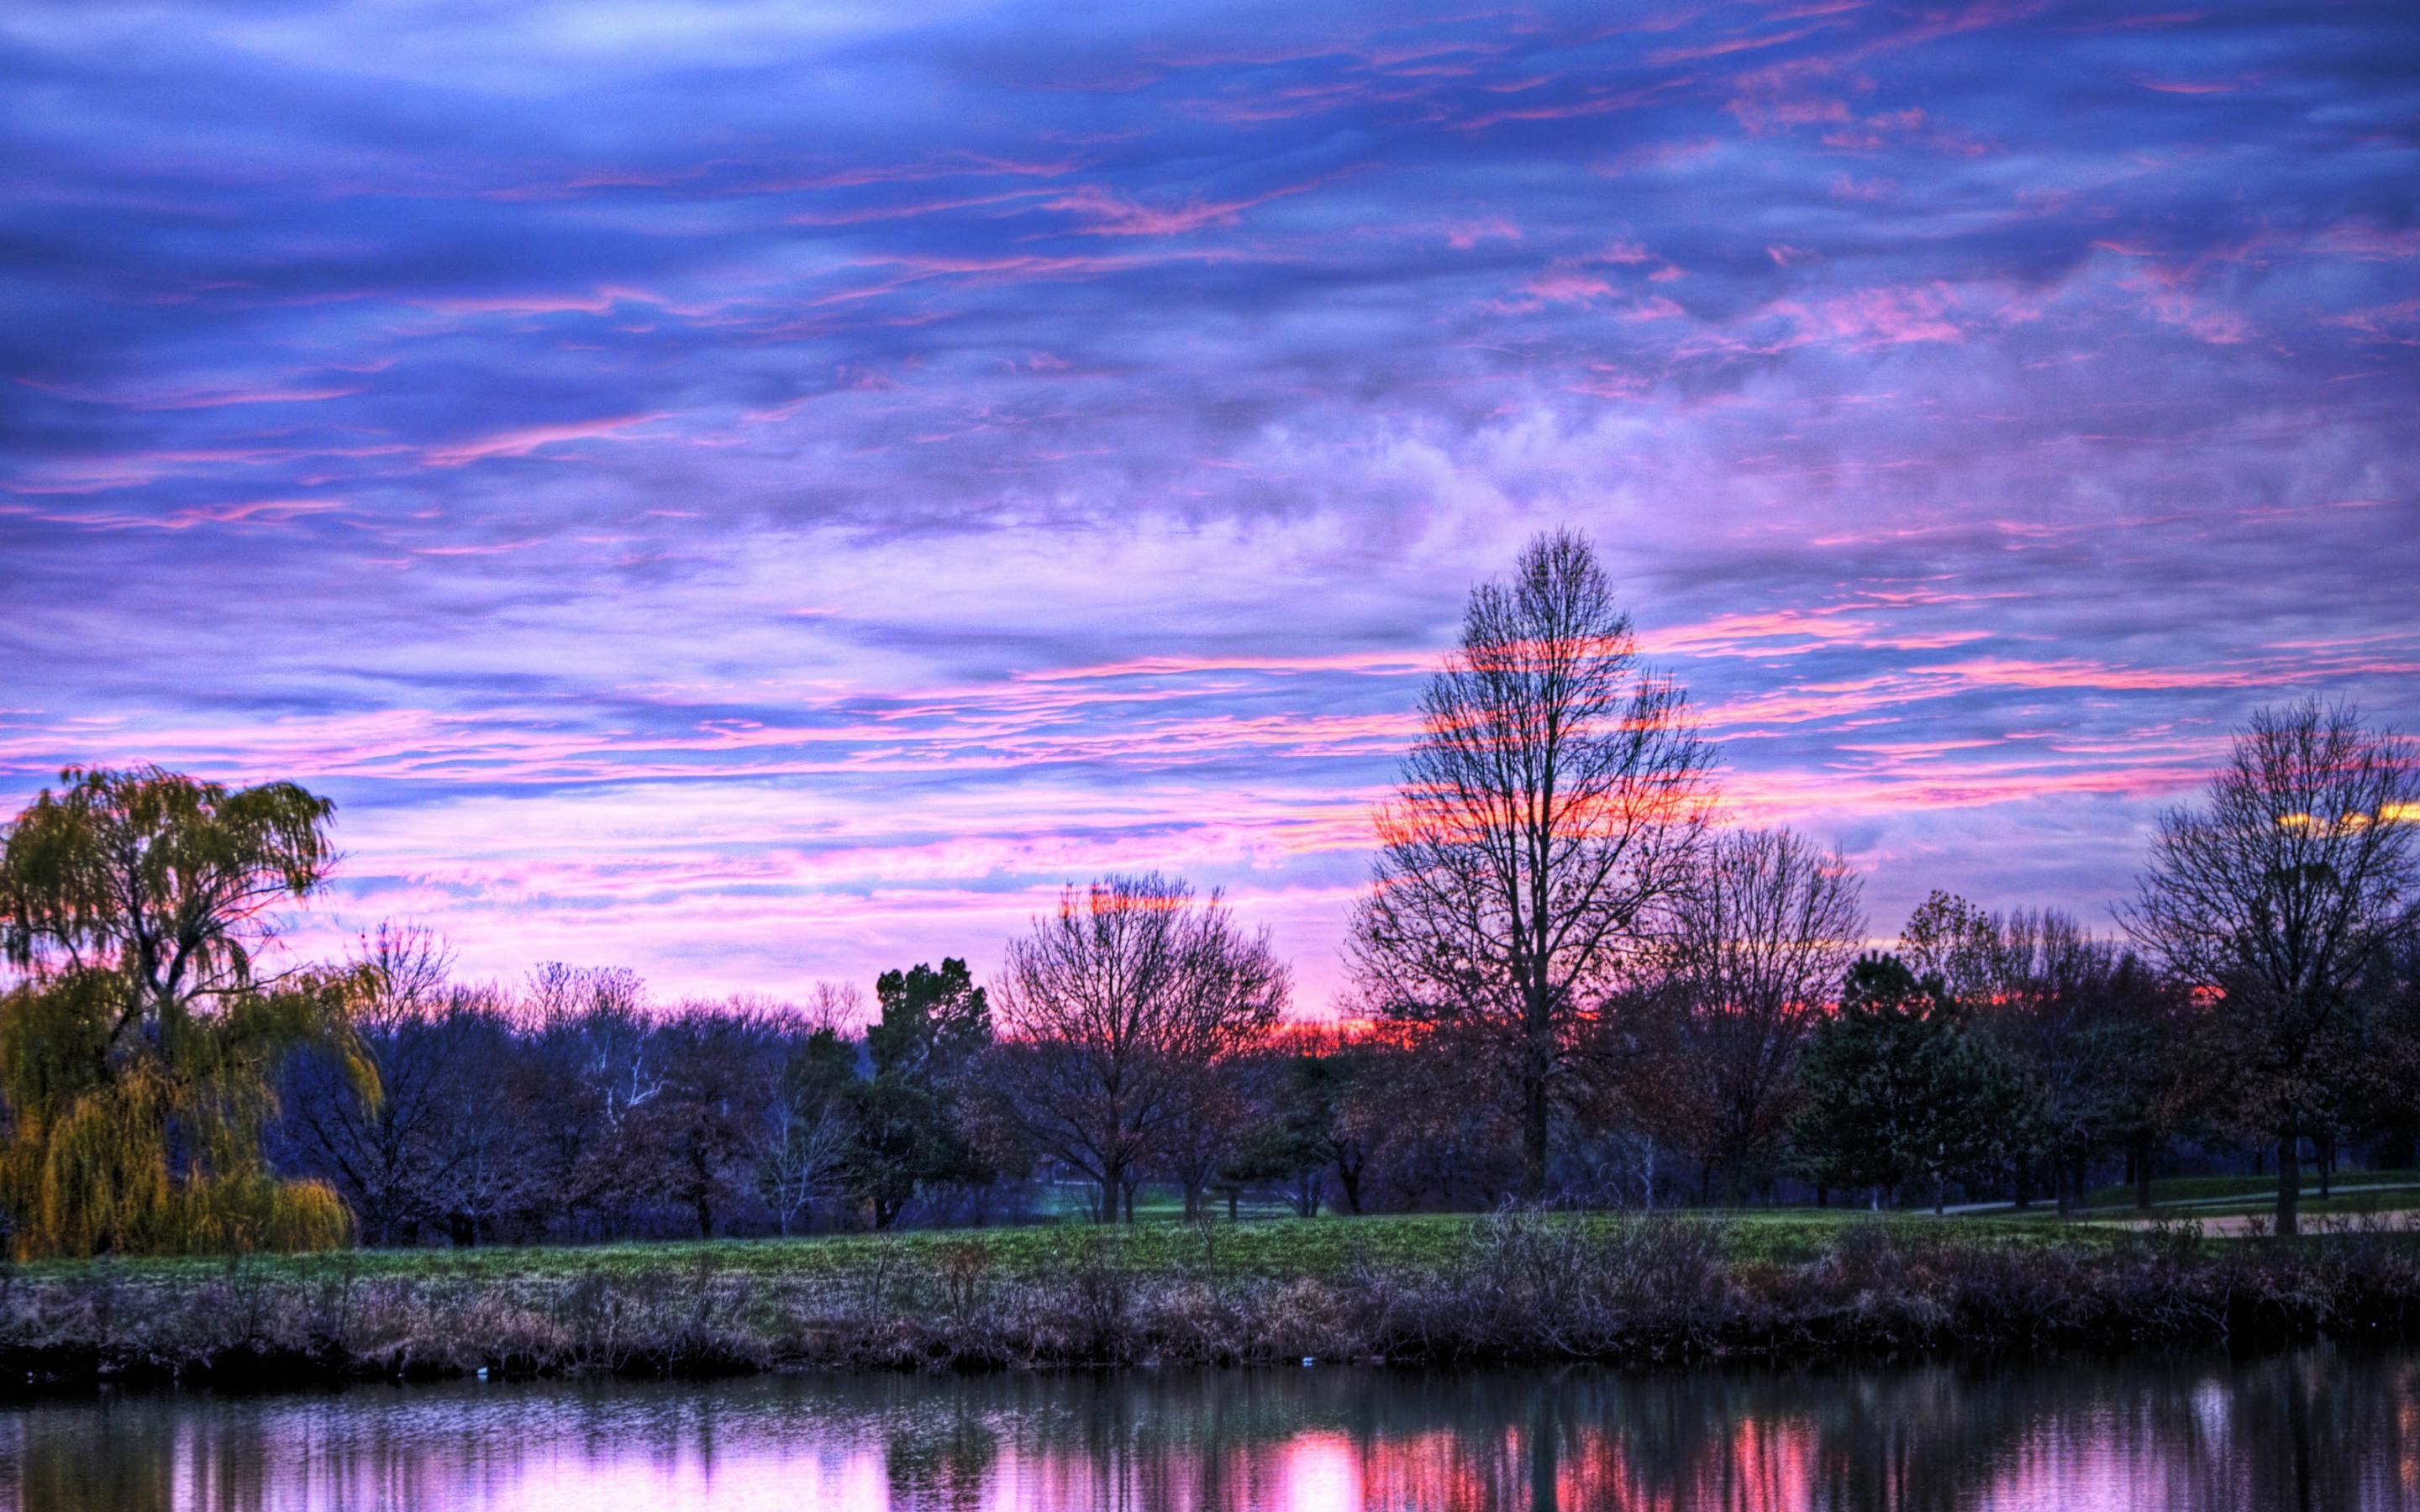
pixel 2319 1428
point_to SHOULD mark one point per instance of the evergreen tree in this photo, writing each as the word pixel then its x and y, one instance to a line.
pixel 908 1132
pixel 1900 1088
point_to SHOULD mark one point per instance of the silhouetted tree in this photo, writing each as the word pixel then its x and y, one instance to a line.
pixel 1557 796
pixel 1898 1088
pixel 1755 952
pixel 810 1122
pixel 1112 1006
pixel 2300 869
pixel 706 1127
pixel 1327 1120
pixel 383 1157
pixel 934 1027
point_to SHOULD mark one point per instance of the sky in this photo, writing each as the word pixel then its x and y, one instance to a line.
pixel 761 493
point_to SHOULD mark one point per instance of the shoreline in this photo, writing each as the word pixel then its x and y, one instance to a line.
pixel 1509 1288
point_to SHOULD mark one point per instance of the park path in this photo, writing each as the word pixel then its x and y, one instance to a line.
pixel 2236 1225
pixel 2166 1206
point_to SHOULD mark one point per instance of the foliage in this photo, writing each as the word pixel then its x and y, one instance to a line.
pixel 2101 1045
pixel 934 1027
pixel 933 1024
pixel 137 1053
pixel 1900 1088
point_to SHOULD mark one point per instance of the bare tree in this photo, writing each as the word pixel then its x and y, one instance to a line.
pixel 1110 1008
pixel 805 1155
pixel 1756 948
pixel 2084 1021
pixel 599 1013
pixel 381 1156
pixel 1557 796
pixel 2299 870
pixel 497 1144
pixel 837 1005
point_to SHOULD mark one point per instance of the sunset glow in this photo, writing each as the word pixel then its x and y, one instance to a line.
pixel 761 494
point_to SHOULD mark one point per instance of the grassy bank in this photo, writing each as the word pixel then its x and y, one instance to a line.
pixel 1505 1287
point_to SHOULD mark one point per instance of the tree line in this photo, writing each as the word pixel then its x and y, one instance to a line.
pixel 1571 981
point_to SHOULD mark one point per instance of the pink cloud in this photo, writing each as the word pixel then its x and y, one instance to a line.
pixel 1108 215
pixel 867 215
pixel 2369 240
pixel 2192 86
pixel 268 510
pixel 1665 56
pixel 528 439
pixel 2398 322
pixel 1464 235
pixel 1567 286
pixel 199 399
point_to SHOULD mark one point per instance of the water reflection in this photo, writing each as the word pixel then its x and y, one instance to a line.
pixel 2316 1429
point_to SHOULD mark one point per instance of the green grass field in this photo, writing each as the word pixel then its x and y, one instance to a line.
pixel 1282 1247
pixel 1267 1241
pixel 2249 1189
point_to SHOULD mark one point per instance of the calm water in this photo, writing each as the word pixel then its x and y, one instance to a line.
pixel 2316 1430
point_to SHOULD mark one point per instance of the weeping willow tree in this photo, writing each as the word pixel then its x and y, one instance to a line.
pixel 139 1040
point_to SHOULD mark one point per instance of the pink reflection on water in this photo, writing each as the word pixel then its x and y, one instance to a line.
pixel 2218 1435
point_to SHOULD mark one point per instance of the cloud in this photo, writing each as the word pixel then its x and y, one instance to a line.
pixel 758 495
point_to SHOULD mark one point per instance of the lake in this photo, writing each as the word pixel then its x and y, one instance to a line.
pixel 2315 1428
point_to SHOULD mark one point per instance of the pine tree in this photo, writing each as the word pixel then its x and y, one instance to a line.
pixel 1900 1088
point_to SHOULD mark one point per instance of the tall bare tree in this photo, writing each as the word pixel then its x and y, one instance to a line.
pixel 2301 868
pixel 1756 948
pixel 1110 1008
pixel 1557 796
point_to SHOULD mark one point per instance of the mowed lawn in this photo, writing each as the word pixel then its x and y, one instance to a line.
pixel 1278 1247
pixel 1267 1241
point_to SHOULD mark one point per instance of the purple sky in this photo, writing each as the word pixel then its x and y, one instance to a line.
pixel 759 497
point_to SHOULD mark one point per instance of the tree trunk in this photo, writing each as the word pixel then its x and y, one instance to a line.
pixel 2290 1180
pixel 1545 1480
pixel 1349 1178
pixel 2143 1176
pixel 1533 1134
pixel 1110 1185
pixel 2324 1147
